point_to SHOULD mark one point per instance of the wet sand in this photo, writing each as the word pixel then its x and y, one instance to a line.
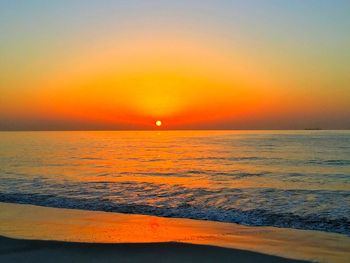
pixel 107 237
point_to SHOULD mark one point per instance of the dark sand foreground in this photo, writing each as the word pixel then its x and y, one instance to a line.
pixel 14 250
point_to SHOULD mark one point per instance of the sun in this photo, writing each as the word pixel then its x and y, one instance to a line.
pixel 158 123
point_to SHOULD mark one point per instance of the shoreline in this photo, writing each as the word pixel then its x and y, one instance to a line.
pixel 23 222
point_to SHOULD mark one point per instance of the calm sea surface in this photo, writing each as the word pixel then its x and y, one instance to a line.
pixel 296 179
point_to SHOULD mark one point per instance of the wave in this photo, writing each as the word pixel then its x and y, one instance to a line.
pixel 330 162
pixel 273 160
pixel 252 217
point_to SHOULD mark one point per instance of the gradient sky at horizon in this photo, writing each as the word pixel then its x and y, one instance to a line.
pixel 192 64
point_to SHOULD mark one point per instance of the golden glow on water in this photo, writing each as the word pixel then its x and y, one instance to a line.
pixel 214 175
pixel 186 158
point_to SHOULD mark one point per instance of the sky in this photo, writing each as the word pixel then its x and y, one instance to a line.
pixel 105 65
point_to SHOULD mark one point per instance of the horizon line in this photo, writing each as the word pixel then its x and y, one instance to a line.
pixel 123 130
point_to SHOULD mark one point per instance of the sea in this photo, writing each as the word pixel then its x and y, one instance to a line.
pixel 292 179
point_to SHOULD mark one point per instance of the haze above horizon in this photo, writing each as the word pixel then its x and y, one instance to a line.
pixel 91 65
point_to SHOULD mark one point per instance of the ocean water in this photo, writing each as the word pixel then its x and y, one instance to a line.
pixel 294 179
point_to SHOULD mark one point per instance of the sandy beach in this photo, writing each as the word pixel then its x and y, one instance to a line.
pixel 13 250
pixel 32 234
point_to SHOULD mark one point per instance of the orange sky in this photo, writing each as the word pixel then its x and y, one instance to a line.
pixel 126 73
